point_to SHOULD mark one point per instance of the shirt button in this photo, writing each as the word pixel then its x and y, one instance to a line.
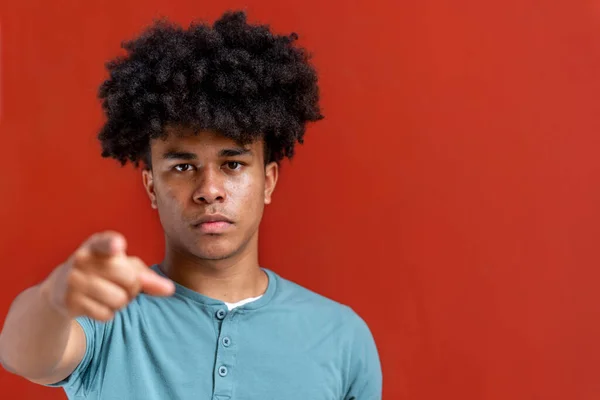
pixel 226 341
pixel 223 371
pixel 221 314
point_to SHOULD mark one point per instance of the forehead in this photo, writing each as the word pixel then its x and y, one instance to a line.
pixel 199 141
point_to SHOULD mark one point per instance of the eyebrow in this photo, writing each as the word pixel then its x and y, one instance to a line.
pixel 179 155
pixel 234 152
pixel 187 156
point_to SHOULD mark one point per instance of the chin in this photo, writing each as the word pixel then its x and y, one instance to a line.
pixel 212 256
pixel 213 251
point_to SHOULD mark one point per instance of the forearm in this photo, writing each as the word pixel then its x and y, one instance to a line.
pixel 35 335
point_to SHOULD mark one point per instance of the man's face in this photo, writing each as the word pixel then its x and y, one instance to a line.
pixel 210 192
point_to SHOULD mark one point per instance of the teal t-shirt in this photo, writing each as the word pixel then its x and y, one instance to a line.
pixel 289 344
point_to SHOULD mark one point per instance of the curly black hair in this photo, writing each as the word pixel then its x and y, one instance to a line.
pixel 235 78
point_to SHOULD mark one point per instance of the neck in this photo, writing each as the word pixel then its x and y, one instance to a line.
pixel 230 280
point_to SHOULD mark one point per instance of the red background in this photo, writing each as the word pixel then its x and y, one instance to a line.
pixel 451 196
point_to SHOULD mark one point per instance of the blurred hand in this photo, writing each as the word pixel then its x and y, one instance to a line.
pixel 100 278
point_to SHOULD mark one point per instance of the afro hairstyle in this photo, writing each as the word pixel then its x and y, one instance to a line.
pixel 235 78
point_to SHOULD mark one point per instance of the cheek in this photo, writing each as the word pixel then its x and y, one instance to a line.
pixel 172 199
pixel 246 194
pixel 173 189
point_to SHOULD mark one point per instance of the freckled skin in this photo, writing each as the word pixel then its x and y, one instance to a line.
pixel 236 186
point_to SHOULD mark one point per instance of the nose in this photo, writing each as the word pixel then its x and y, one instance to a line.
pixel 209 189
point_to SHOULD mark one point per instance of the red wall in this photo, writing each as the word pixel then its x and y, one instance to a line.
pixel 451 196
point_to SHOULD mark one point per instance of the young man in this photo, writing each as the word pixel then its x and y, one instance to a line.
pixel 210 111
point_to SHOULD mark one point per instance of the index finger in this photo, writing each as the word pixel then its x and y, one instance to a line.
pixel 155 285
pixel 108 243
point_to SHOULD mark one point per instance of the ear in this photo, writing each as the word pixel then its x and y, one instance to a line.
pixel 148 180
pixel 271 176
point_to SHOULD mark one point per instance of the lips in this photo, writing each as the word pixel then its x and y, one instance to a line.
pixel 212 223
pixel 212 218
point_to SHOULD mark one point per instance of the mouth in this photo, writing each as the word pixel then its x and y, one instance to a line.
pixel 213 223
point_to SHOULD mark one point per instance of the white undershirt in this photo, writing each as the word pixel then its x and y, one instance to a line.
pixel 231 306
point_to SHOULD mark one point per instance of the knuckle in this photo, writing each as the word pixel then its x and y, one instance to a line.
pixel 71 302
pixel 127 274
pixel 80 258
pixel 135 260
pixel 73 280
pixel 120 299
pixel 103 315
pixel 137 264
pixel 130 284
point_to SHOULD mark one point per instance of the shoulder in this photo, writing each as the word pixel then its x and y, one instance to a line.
pixel 290 291
pixel 303 300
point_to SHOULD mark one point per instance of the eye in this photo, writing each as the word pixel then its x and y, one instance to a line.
pixel 183 167
pixel 234 165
